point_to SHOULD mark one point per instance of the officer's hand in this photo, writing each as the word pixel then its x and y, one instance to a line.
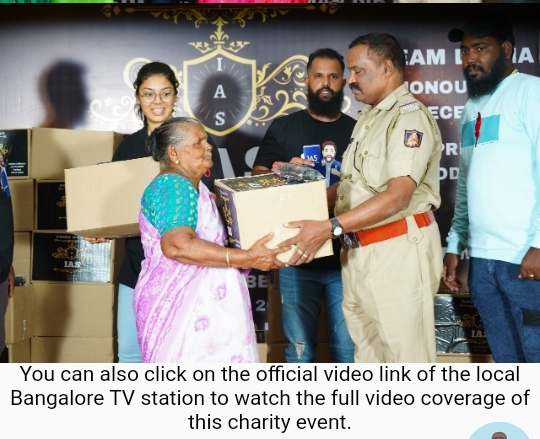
pixel 313 234
pixel 96 240
pixel 450 264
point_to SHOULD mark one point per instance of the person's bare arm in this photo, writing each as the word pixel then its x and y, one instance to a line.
pixel 182 245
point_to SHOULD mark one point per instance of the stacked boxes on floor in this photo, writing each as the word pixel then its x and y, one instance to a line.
pixel 19 323
pixel 459 331
pixel 276 338
pixel 64 309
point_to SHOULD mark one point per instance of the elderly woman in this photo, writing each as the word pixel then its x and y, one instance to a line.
pixel 191 300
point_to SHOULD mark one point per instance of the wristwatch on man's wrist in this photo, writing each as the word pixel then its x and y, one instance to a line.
pixel 336 228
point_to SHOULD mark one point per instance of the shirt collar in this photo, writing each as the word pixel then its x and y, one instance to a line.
pixel 388 102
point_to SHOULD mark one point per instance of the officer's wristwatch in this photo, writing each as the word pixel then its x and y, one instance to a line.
pixel 336 228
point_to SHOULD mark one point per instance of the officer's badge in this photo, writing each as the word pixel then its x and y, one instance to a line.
pixel 413 138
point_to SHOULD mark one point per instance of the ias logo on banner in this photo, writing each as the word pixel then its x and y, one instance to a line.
pixel 220 90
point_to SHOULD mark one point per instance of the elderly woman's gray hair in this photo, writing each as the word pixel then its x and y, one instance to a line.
pixel 171 132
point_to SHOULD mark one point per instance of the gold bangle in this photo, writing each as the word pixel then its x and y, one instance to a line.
pixel 227 258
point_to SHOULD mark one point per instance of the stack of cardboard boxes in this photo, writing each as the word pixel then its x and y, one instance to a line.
pixel 63 306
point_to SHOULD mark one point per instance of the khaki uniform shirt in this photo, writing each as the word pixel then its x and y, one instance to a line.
pixel 396 138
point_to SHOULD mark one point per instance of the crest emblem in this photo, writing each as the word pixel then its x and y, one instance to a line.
pixel 413 138
pixel 219 90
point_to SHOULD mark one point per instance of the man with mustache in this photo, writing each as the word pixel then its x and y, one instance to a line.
pixel 497 210
pixel 389 187
pixel 303 289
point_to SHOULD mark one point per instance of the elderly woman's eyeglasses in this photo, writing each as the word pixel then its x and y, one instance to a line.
pixel 149 96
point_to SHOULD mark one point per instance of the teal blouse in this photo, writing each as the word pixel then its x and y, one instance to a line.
pixel 170 201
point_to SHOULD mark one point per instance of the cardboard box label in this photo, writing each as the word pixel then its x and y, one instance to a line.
pixel 69 258
pixel 458 327
pixel 14 152
pixel 227 209
pixel 51 205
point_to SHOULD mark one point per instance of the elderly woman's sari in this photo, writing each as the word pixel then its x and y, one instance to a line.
pixel 190 313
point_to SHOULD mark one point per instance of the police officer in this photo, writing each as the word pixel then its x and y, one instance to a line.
pixel 385 199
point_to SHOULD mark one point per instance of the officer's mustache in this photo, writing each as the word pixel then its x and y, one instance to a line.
pixel 354 86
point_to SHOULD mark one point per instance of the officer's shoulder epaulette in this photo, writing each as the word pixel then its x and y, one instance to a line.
pixel 408 105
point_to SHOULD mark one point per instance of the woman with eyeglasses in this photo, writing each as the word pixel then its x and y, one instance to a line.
pixel 155 95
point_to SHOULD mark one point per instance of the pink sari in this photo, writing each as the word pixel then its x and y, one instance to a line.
pixel 188 313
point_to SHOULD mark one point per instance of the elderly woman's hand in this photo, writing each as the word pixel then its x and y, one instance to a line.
pixel 262 258
pixel 96 240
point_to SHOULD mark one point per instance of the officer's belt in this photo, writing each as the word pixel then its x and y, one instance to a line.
pixel 361 238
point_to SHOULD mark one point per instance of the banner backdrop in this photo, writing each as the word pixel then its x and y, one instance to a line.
pixel 72 66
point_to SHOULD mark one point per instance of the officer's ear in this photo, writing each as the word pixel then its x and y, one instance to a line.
pixel 388 68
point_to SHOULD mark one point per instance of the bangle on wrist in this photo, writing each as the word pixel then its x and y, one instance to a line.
pixel 227 258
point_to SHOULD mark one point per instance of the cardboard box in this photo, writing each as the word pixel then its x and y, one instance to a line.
pixel 50 205
pixel 458 327
pixel 14 147
pixel 104 200
pixel 273 278
pixel 252 207
pixel 276 353
pixel 19 322
pixel 22 197
pixel 263 352
pixel 464 358
pixel 69 310
pixel 275 325
pixel 19 352
pixel 54 150
pixel 62 257
pixel 262 345
pixel 22 253
pixel 72 350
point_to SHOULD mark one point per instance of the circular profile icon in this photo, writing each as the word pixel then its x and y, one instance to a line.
pixel 499 430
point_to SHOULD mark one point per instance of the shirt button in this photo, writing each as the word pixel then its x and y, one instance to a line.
pixel 367 127
pixel 341 197
pixel 415 239
pixel 350 176
pixel 365 152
